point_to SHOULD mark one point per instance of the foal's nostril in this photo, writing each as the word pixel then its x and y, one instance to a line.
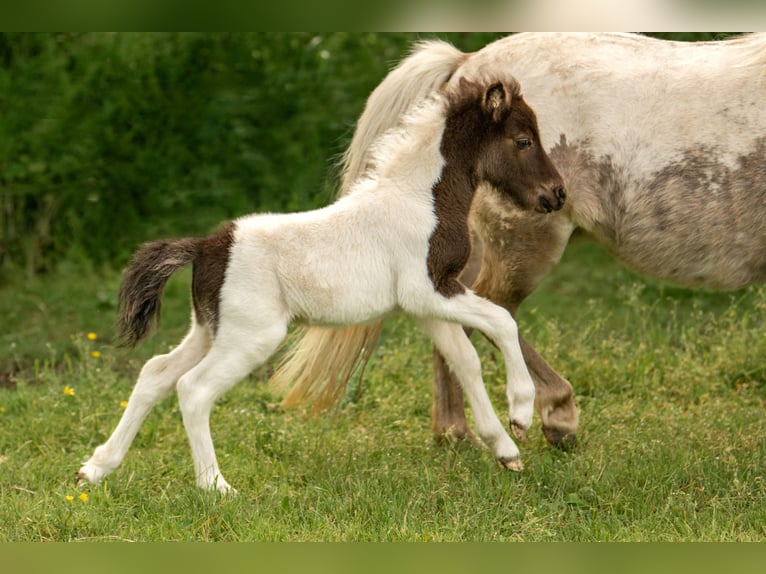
pixel 560 194
pixel 545 204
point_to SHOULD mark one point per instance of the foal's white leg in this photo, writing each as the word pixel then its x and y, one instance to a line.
pixel 470 310
pixel 453 343
pixel 157 379
pixel 230 359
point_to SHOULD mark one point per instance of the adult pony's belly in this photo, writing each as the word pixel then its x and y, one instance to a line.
pixel 695 235
pixel 699 220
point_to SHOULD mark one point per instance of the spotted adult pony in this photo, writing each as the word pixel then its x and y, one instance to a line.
pixel 397 241
pixel 662 147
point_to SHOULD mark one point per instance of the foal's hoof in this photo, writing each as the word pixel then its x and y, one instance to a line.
pixel 90 473
pixel 564 440
pixel 513 464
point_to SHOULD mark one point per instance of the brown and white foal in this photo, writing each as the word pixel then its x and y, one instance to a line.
pixel 397 242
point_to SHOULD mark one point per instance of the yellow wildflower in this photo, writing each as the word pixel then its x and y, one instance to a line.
pixel 84 496
pixel 2 410
pixel 123 404
pixel 69 391
pixel 92 336
pixel 95 354
pixel 69 498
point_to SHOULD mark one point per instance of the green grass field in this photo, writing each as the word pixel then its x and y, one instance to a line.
pixel 669 382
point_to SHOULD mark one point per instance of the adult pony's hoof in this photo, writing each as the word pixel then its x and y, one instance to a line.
pixel 519 433
pixel 564 440
pixel 513 464
pixel 455 434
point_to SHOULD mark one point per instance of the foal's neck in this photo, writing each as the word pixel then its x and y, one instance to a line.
pixel 464 131
pixel 450 243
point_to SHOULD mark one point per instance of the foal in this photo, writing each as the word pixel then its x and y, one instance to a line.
pixel 397 242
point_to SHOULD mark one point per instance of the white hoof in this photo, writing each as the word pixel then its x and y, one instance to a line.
pixel 513 464
pixel 216 483
pixel 92 473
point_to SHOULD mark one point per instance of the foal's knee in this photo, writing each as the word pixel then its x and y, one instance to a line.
pixel 193 395
pixel 155 380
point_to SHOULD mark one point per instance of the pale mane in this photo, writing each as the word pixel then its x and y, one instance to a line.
pixel 401 151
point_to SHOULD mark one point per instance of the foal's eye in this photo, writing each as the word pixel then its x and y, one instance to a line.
pixel 523 143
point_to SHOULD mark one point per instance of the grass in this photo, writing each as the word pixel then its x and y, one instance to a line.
pixel 670 387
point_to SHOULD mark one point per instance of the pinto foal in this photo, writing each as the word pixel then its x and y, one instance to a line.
pixel 397 242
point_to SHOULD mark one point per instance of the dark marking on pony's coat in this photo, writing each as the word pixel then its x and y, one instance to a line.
pixel 450 243
pixel 685 221
pixel 708 213
pixel 209 273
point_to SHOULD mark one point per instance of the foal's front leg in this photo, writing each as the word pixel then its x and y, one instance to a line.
pixel 470 310
pixel 461 357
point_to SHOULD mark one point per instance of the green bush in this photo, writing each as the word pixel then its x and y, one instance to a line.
pixel 109 139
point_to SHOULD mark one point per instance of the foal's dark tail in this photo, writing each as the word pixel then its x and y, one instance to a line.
pixel 144 280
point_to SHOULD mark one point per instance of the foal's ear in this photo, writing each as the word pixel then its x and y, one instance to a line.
pixel 497 101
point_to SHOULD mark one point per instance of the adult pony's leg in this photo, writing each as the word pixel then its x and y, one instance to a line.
pixel 519 249
pixel 157 379
pixel 554 399
pixel 458 352
pixel 234 354
pixel 516 249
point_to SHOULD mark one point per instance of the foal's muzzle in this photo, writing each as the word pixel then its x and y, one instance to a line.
pixel 552 200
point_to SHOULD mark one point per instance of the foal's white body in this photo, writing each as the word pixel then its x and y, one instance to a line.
pixel 353 261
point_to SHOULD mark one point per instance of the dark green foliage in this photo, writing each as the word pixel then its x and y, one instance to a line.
pixel 112 139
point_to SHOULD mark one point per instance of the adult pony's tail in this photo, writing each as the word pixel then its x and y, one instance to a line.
pixel 144 280
pixel 318 366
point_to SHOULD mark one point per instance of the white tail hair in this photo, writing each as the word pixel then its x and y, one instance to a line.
pixel 321 360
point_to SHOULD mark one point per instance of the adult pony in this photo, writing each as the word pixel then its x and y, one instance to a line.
pixel 662 147
pixel 397 241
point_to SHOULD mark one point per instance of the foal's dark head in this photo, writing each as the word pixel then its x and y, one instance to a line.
pixel 492 130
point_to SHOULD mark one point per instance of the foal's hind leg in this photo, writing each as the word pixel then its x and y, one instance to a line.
pixel 233 356
pixel 157 379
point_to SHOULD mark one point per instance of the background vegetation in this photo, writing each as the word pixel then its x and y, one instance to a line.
pixel 110 140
